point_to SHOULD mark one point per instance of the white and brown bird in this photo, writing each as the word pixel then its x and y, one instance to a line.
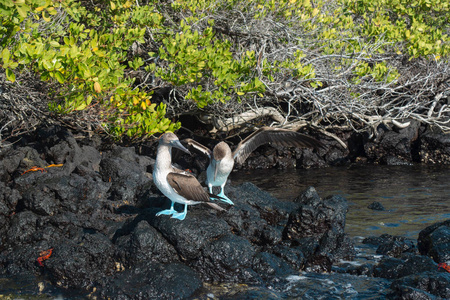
pixel 177 185
pixel 222 159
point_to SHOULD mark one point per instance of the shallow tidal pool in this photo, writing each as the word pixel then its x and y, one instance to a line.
pixel 414 197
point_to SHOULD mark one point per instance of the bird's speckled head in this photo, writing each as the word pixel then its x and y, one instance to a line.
pixel 171 140
pixel 221 150
pixel 167 138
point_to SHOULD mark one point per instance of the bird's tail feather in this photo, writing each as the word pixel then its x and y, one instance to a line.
pixel 215 206
pixel 217 197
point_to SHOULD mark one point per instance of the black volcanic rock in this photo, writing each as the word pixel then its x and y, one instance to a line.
pixel 393 147
pixel 435 285
pixel 317 227
pixel 149 280
pixel 144 243
pixel 434 241
pixel 81 263
pixel 434 147
pixel 376 206
pixel 126 172
pixel 393 268
pixel 393 246
pixel 97 212
pixel 228 259
pixel 191 235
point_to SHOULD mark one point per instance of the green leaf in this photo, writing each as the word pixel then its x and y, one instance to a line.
pixel 54 44
pixel 47 65
pixel 81 106
pixel 5 55
pixel 8 3
pixel 44 16
pixel 23 10
pixel 59 76
pixel 10 75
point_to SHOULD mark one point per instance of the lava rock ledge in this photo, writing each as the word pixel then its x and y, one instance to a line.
pixel 96 210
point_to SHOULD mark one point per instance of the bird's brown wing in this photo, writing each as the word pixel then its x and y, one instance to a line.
pixel 197 147
pixel 278 136
pixel 187 186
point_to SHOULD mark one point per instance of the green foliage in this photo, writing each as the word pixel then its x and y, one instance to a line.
pixel 13 14
pixel 332 28
pixel 379 72
pixel 86 58
pixel 193 57
pixel 413 26
pixel 84 51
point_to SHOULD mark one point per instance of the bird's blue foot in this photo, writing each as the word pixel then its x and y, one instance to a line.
pixel 167 212
pixel 179 216
pixel 182 215
pixel 225 198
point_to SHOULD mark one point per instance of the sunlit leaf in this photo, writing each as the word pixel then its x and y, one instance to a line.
pixel 10 75
pixel 55 44
pixel 5 55
pixel 22 11
pixel 59 77
pixel 97 87
pixel 47 19
pixel 81 106
pixel 8 3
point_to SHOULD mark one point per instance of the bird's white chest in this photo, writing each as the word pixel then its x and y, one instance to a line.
pixel 161 182
pixel 224 169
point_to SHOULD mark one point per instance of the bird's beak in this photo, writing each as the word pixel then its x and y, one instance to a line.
pixel 216 169
pixel 178 145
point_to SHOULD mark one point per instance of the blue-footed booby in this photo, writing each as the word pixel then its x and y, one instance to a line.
pixel 222 159
pixel 177 185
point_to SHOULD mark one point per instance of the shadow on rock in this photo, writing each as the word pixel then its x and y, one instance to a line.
pixel 97 212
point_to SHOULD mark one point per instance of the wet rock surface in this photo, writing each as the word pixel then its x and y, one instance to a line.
pixel 434 241
pixel 416 143
pixel 94 205
pixel 376 206
pixel 317 228
pixel 393 246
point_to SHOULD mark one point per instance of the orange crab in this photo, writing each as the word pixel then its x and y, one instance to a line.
pixel 34 169
pixel 444 266
pixel 44 255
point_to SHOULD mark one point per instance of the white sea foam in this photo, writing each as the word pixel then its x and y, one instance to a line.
pixel 350 262
pixel 293 278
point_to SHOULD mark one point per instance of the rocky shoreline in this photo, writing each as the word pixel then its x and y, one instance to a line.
pixel 95 208
pixel 416 143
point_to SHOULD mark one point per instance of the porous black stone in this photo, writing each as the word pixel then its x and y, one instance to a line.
pixel 97 212
pixel 376 206
pixel 434 241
